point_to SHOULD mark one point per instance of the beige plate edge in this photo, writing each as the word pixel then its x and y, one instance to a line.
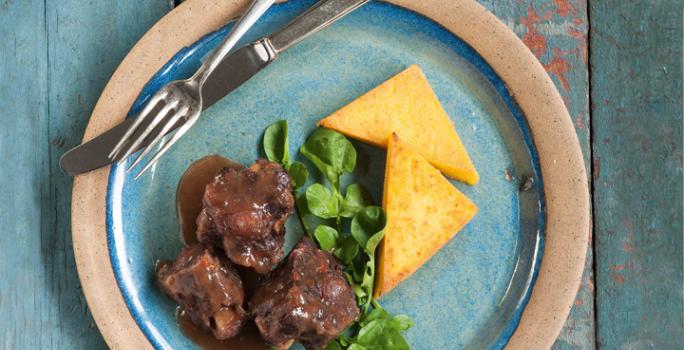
pixel 565 179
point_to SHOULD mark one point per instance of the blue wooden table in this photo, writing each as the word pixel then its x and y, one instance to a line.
pixel 617 64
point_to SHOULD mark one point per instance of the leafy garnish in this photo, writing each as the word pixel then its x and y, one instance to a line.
pixel 331 153
pixel 334 346
pixel 355 199
pixel 299 173
pixel 276 144
pixel 277 149
pixel 326 237
pixel 347 249
pixel 322 202
pixel 369 223
pixel 334 156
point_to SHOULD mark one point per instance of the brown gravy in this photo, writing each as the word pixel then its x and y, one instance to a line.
pixel 248 339
pixel 191 190
pixel 188 205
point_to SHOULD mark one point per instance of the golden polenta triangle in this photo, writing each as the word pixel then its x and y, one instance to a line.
pixel 406 104
pixel 424 211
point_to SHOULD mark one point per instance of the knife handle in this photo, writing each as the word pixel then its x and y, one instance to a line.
pixel 319 16
pixel 255 10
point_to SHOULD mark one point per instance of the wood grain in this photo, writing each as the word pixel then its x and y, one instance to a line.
pixel 556 32
pixel 636 65
pixel 25 247
pixel 56 57
pixel 71 50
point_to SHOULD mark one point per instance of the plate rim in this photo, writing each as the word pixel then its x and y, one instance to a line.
pixel 562 165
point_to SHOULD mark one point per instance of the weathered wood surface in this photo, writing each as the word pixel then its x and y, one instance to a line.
pixel 55 57
pixel 556 32
pixel 636 84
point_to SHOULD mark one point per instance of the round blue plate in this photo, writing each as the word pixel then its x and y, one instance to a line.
pixel 472 292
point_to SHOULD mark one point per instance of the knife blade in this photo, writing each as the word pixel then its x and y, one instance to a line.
pixel 232 72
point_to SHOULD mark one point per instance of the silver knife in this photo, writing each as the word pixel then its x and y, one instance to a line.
pixel 232 72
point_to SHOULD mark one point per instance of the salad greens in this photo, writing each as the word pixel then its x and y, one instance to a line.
pixel 348 225
pixel 277 149
pixel 331 153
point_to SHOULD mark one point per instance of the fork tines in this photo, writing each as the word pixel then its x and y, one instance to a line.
pixel 158 118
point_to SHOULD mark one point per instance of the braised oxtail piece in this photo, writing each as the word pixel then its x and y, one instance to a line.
pixel 244 212
pixel 307 299
pixel 205 284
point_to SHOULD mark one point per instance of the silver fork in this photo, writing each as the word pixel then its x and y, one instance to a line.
pixel 181 96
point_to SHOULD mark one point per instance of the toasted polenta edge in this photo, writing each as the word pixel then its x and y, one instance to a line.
pixel 387 109
pixel 386 278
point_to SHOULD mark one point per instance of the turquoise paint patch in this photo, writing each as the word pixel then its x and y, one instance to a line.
pixel 471 294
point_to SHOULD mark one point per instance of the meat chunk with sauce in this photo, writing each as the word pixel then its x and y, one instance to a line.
pixel 244 211
pixel 307 299
pixel 204 283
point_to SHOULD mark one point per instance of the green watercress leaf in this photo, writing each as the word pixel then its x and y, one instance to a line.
pixel 343 341
pixel 355 199
pixel 376 314
pixel 356 347
pixel 302 205
pixel 322 202
pixel 330 152
pixel 361 294
pixel 333 345
pixel 371 331
pixel 368 281
pixel 368 223
pixel 349 278
pixel 299 173
pixel 347 250
pixel 327 170
pixel 349 333
pixel 379 334
pixel 326 237
pixel 402 322
pixel 303 213
pixel 373 242
pixel 359 267
pixel 276 144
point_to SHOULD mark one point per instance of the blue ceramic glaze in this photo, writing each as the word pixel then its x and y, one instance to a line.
pixel 471 294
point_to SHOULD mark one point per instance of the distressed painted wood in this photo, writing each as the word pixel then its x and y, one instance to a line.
pixel 69 50
pixel 556 32
pixel 636 65
pixel 56 57
pixel 24 271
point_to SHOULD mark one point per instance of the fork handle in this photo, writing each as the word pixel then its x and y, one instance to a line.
pixel 319 16
pixel 255 10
